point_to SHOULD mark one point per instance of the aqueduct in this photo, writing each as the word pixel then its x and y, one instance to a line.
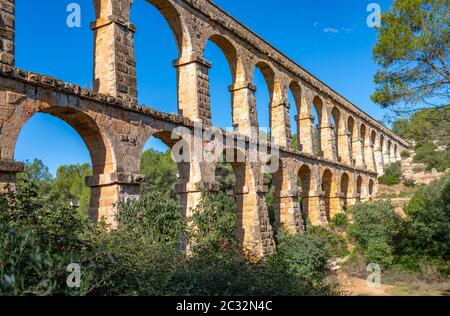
pixel 338 161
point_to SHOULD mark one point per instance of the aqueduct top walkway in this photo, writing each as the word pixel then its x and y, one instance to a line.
pixel 337 162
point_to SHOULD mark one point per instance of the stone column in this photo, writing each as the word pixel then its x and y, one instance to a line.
pixel 379 158
pixel 288 212
pixel 109 189
pixel 8 171
pixel 193 89
pixel 7 32
pixel 358 152
pixel 306 126
pixel 244 108
pixel 386 158
pixel 253 224
pixel 114 60
pixel 369 156
pixel 287 206
pixel 344 147
pixel 336 204
pixel 316 207
pixel 280 124
pixel 327 136
pixel 392 157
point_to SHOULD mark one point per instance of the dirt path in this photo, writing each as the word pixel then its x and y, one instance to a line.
pixel 353 286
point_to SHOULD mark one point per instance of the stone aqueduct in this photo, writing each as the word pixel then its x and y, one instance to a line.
pixel 353 151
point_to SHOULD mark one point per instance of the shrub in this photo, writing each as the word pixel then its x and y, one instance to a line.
pixel 426 231
pixel 143 256
pixel 335 244
pixel 405 154
pixel 340 221
pixel 305 255
pixel 392 174
pixel 379 251
pixel 409 183
pixel 375 229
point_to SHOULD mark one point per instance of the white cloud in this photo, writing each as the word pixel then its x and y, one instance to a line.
pixel 316 24
pixel 330 30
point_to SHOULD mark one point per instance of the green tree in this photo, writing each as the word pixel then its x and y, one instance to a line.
pixel 70 186
pixel 37 174
pixel 160 170
pixel 413 53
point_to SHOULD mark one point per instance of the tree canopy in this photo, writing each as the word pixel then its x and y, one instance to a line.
pixel 413 53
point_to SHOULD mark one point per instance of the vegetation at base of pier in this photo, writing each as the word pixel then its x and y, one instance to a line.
pixel 144 256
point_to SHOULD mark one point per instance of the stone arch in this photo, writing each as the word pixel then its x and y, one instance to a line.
pixel 174 19
pixel 296 91
pixel 105 190
pixel 269 77
pixel 363 132
pixel 97 142
pixel 305 182
pixel 371 189
pixel 345 189
pixel 359 187
pixel 318 106
pixel 227 49
pixel 337 130
pixel 230 52
pixel 373 138
pixel 327 184
pixel 352 132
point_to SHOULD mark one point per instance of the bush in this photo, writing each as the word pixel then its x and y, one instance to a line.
pixel 409 183
pixel 375 230
pixel 426 231
pixel 335 244
pixel 304 255
pixel 392 174
pixel 143 256
pixel 340 221
pixel 405 154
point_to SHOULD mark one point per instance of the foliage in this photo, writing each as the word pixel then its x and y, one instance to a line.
pixel 160 170
pixel 143 255
pixel 211 229
pixel 412 51
pixel 392 174
pixel 426 231
pixel 375 230
pixel 340 221
pixel 335 244
pixel 304 255
pixel 430 132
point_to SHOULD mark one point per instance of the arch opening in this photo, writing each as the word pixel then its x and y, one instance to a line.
pixel 327 179
pixel 316 111
pixel 71 143
pixel 264 77
pixel 359 184
pixel 345 189
pixel 305 185
pixel 295 100
pixel 159 90
pixel 223 56
pixel 336 122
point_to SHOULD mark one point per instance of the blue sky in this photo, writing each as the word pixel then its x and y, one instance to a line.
pixel 330 39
